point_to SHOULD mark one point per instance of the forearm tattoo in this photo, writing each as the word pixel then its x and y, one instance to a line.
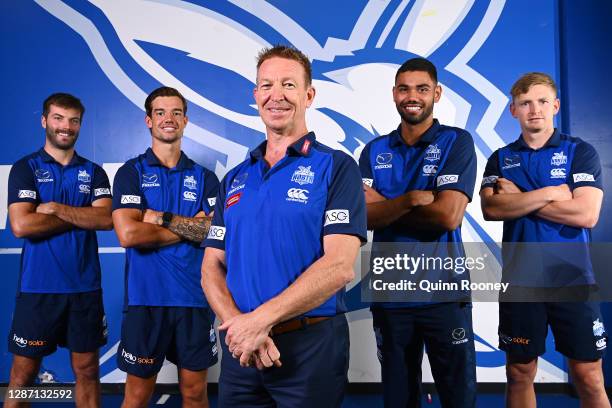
pixel 191 229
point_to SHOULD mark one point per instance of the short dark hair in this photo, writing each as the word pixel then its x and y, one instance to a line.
pixel 164 91
pixel 63 100
pixel 526 81
pixel 419 64
pixel 287 52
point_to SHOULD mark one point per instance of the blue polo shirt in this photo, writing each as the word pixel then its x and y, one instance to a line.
pixel 66 262
pixel 169 275
pixel 563 160
pixel 271 221
pixel 442 159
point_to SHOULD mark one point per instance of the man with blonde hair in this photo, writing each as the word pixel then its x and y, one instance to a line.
pixel 547 188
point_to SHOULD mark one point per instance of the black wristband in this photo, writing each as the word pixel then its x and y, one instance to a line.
pixel 166 219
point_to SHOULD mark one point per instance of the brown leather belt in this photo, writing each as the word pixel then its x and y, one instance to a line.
pixel 296 324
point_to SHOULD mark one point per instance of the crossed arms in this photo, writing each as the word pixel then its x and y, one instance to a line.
pixel 142 229
pixel 29 220
pixel 420 210
pixel 578 208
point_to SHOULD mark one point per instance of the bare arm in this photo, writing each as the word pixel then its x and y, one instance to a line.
pixel 214 273
pixel 96 217
pixel 192 229
pixel 508 202
pixel 383 212
pixel 27 223
pixel 445 213
pixel 581 211
pixel 133 232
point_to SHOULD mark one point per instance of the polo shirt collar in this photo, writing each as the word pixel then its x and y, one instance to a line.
pixel 183 163
pixel 47 158
pixel 426 138
pixel 301 147
pixel 553 141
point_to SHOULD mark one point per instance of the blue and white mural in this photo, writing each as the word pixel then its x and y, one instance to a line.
pixel 112 53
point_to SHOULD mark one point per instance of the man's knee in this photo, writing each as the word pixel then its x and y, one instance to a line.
pixel 193 390
pixel 521 372
pixel 587 376
pixel 86 367
pixel 24 370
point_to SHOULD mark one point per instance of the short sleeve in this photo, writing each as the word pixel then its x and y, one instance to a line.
pixel 586 168
pixel 126 189
pixel 21 184
pixel 345 212
pixel 365 166
pixel 100 184
pixel 211 189
pixel 459 170
pixel 216 233
pixel 491 173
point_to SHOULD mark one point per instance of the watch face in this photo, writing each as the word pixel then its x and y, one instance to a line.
pixel 166 218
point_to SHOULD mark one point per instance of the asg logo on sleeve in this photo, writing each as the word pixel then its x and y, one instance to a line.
pixel 101 191
pixel 130 199
pixel 582 177
pixel 447 179
pixel 27 194
pixel 489 180
pixel 367 181
pixel 216 233
pixel 336 217
pixel 212 201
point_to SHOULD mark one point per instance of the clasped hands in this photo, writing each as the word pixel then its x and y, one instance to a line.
pixel 248 339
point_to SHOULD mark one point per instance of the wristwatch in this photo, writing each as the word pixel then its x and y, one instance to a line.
pixel 166 219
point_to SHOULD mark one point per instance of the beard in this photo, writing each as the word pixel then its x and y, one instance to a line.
pixel 415 119
pixel 57 141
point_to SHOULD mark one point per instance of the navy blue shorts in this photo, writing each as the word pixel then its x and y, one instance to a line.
pixel 445 329
pixel 314 371
pixel 183 335
pixel 577 327
pixel 43 321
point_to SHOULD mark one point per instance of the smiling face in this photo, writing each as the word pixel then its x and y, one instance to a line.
pixel 414 94
pixel 282 96
pixel 167 121
pixel 62 127
pixel 536 109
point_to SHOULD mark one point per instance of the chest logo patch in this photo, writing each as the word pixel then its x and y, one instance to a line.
pixel 511 161
pixel 430 169
pixel 84 188
pixel 190 182
pixel 43 176
pixel 558 159
pixel 383 161
pixel 557 173
pixel 189 196
pixel 232 200
pixel 150 180
pixel 83 176
pixel 433 153
pixel 303 175
pixel 297 195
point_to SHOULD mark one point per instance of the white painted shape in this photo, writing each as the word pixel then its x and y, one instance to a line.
pixel 5 169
